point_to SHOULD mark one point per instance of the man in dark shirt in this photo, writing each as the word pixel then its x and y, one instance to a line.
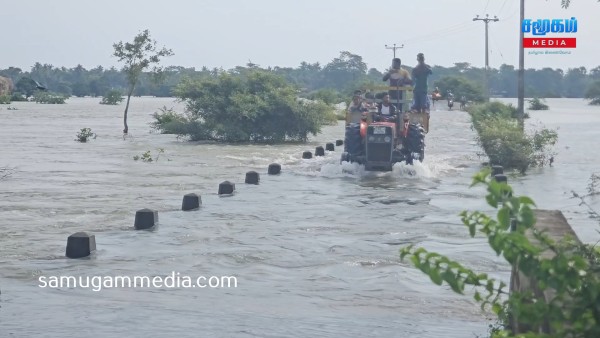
pixel 420 74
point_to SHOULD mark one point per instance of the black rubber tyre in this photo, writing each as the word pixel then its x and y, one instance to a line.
pixel 414 142
pixel 345 157
pixel 353 142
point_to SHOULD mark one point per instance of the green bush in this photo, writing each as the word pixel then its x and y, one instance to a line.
pixel 112 97
pixel 504 141
pixel 5 99
pixel 84 135
pixel 572 272
pixel 254 107
pixel 537 104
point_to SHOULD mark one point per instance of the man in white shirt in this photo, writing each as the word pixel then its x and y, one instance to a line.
pixel 385 110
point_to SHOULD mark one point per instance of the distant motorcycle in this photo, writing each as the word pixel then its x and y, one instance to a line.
pixel 450 103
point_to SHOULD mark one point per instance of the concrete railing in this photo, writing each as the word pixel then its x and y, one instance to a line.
pixel 555 225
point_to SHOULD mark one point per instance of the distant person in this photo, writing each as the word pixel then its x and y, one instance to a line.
pixel 463 102
pixel 398 77
pixel 385 109
pixel 435 95
pixel 356 109
pixel 420 74
pixel 450 99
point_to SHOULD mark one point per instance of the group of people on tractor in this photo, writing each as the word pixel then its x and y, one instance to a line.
pixel 398 77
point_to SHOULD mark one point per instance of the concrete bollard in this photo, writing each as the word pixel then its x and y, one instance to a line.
pixel 226 188
pixel 80 244
pixel 319 151
pixel 252 177
pixel 274 169
pixel 501 178
pixel 329 147
pixel 497 170
pixel 339 143
pixel 145 219
pixel 307 155
pixel 191 202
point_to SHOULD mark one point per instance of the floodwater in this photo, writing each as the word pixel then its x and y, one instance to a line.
pixel 314 249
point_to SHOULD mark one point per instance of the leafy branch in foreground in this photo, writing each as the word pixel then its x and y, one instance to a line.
pixel 570 273
pixel 593 189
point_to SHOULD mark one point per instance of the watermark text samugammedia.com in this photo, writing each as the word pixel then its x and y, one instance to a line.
pixel 174 280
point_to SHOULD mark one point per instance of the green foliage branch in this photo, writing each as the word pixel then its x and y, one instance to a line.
pixel 571 271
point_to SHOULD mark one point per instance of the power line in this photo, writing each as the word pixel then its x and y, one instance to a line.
pixel 512 15
pixel 439 31
pixel 500 11
pixel 496 45
pixel 440 35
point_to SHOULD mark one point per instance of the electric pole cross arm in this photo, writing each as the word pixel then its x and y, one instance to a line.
pixel 394 48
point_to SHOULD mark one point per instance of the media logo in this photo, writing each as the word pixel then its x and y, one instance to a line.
pixel 541 27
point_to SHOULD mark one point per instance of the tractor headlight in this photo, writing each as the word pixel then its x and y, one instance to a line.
pixel 387 139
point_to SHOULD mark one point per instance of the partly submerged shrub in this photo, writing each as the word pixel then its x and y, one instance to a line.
pixel 506 143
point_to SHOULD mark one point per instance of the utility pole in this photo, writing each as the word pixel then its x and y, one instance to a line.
pixel 394 48
pixel 521 76
pixel 487 20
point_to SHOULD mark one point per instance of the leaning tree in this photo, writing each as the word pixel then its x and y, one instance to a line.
pixel 137 56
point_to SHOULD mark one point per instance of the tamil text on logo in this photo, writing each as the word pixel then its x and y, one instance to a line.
pixel 541 27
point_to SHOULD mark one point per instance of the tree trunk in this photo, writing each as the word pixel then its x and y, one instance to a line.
pixel 126 128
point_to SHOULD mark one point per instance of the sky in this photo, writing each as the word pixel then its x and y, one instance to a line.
pixel 284 33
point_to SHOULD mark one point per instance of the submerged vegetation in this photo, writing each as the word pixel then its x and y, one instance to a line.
pixel 147 156
pixel 255 107
pixel 112 97
pixel 537 104
pixel 571 273
pixel 48 98
pixel 505 142
pixel 84 135
pixel 5 172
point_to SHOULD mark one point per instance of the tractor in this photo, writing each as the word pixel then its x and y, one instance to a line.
pixel 378 145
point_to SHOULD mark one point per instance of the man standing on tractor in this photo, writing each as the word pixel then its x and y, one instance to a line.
pixel 398 77
pixel 421 100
